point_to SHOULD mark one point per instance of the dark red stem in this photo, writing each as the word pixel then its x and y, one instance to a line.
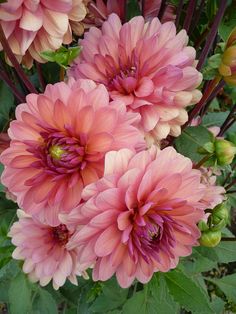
pixel 15 63
pixel 202 102
pixel 228 120
pixel 189 14
pixel 162 9
pixel 14 90
pixel 178 12
pixel 212 34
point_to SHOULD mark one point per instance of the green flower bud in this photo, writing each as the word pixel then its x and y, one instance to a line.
pixel 220 213
pixel 224 151
pixel 202 225
pixel 210 238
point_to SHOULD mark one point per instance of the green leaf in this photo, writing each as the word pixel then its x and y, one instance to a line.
pixel 6 100
pixel 187 293
pixel 44 303
pixel 224 252
pixel 191 140
pixel 217 119
pixel 198 262
pixel 19 295
pixel 155 298
pixel 228 23
pixel 114 293
pixel 228 285
pixel 62 56
pixel 218 305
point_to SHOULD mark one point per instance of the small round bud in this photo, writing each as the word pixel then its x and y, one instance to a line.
pixel 220 213
pixel 224 151
pixel 210 238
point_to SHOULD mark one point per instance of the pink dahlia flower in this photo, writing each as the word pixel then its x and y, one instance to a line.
pixel 214 194
pixel 147 66
pixel 44 250
pixel 35 26
pixel 140 217
pixel 58 143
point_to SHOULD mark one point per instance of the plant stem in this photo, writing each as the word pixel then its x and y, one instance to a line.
pixel 227 120
pixel 189 14
pixel 40 75
pixel 231 184
pixel 202 161
pixel 143 7
pixel 62 74
pixel 210 88
pixel 212 34
pixel 162 9
pixel 213 95
pixel 228 239
pixel 14 90
pixel 196 17
pixel 178 12
pixel 229 174
pixel 15 63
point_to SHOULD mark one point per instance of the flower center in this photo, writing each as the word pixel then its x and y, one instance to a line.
pixel 61 234
pixel 56 152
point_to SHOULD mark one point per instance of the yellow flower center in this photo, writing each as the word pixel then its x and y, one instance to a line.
pixel 56 152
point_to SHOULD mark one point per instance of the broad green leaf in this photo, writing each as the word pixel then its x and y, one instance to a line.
pixel 228 285
pixel 20 295
pixel 198 263
pixel 187 293
pixel 155 298
pixel 225 252
pixel 191 140
pixel 217 119
pixel 114 293
pixel 44 303
pixel 218 305
pixel 6 100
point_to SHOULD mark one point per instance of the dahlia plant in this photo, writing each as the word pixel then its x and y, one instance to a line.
pixel 117 155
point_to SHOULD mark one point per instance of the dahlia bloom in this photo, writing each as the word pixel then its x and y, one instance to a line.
pixel 140 217
pixel 58 143
pixel 214 194
pixel 43 248
pixel 147 66
pixel 35 26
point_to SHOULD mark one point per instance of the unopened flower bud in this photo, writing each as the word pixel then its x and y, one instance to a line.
pixel 220 213
pixel 228 65
pixel 224 151
pixel 210 238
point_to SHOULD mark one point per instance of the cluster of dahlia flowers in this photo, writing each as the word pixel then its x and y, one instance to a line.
pixel 84 162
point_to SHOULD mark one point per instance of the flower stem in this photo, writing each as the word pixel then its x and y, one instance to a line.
pixel 229 174
pixel 213 95
pixel 228 120
pixel 212 34
pixel 228 239
pixel 14 90
pixel 202 161
pixel 162 9
pixel 178 12
pixel 15 63
pixel 189 14
pixel 40 75
pixel 210 88
pixel 231 184
pixel 62 74
pixel 196 17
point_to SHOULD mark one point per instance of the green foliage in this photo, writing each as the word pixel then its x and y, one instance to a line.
pixel 20 295
pixel 192 138
pixel 63 56
pixel 6 100
pixel 186 292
